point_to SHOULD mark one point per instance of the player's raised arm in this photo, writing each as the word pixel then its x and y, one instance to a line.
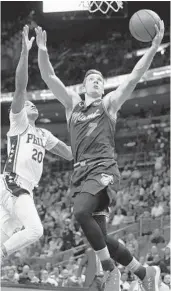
pixel 123 92
pixel 69 100
pixel 21 77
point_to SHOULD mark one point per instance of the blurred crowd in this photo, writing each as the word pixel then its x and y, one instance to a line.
pixel 70 59
pixel 49 275
pixel 72 274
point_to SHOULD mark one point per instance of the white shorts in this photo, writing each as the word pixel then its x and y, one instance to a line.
pixel 7 209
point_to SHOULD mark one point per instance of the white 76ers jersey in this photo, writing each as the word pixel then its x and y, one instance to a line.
pixel 26 148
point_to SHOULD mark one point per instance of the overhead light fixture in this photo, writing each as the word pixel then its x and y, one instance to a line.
pixel 45 120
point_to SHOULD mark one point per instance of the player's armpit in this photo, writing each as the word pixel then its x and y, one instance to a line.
pixel 75 100
pixel 62 150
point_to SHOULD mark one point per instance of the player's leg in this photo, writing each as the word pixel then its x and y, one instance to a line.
pixel 122 255
pixel 7 227
pixel 84 206
pixel 117 251
pixel 114 279
pixel 4 218
pixel 26 213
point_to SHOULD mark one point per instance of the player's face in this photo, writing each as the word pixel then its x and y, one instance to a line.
pixel 31 110
pixel 94 85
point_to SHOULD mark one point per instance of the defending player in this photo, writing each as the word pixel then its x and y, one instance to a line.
pixel 96 174
pixel 23 169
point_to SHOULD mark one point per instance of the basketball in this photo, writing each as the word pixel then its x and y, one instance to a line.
pixel 142 25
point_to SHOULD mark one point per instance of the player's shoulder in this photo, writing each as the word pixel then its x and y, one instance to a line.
pixel 44 132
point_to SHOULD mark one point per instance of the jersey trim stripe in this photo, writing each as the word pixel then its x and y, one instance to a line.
pixel 113 119
pixel 13 140
pixel 16 154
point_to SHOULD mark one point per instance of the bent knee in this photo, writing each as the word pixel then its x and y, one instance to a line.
pixel 37 231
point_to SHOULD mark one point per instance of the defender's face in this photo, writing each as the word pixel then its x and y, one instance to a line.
pixel 94 85
pixel 31 110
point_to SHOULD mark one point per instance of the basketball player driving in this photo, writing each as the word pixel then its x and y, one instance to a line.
pixel 26 150
pixel 96 176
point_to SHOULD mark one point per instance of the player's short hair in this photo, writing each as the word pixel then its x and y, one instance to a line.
pixel 92 71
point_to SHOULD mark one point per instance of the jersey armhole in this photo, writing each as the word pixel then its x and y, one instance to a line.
pixel 113 119
pixel 69 119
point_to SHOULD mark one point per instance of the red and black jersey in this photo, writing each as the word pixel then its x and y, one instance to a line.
pixel 92 132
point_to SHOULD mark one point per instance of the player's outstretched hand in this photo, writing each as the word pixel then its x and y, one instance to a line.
pixel 41 38
pixel 159 34
pixel 26 43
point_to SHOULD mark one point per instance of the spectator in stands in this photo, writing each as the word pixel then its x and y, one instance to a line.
pixel 163 286
pixel 167 280
pixel 156 261
pixel 126 173
pixel 159 160
pixel 10 277
pixel 165 262
pixel 132 244
pixel 55 274
pixel 67 236
pixel 130 217
pixel 33 278
pixel 165 190
pixel 73 280
pixel 150 256
pixel 157 210
pixel 65 277
pixel 124 282
pixel 118 217
pixel 156 237
pixel 24 276
pixel 49 267
pixel 16 275
pixel 55 245
pixel 41 210
pixel 136 174
pixel 78 239
pixel 46 280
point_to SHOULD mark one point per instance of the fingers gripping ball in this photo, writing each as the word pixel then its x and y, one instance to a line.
pixel 142 25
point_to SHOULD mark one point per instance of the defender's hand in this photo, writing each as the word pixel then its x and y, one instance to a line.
pixel 159 35
pixel 26 43
pixel 41 38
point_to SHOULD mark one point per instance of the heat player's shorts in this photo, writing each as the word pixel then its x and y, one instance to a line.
pixel 95 177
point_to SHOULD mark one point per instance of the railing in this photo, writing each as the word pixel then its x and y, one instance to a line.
pixel 34 287
pixel 142 226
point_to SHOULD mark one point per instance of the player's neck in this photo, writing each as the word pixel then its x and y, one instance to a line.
pixel 32 122
pixel 89 99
